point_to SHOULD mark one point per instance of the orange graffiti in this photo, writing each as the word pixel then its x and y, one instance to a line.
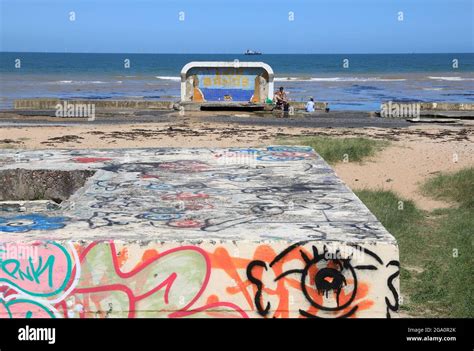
pixel 235 268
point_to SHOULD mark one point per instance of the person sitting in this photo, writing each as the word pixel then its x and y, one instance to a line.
pixel 281 99
pixel 310 105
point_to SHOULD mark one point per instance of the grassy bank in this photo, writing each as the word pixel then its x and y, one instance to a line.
pixel 436 248
pixel 335 150
pixel 457 187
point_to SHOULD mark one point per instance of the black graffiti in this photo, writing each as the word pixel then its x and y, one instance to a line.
pixel 328 279
pixel 103 201
pixel 116 203
pixel 218 224
pixel 267 210
pixel 239 176
pixel 368 252
pixel 112 186
pixel 329 272
pixel 290 248
pixel 355 230
pixel 181 166
pixel 293 188
pixel 140 167
pixel 259 211
pixel 392 307
pixel 106 219
pixel 258 295
pixel 194 185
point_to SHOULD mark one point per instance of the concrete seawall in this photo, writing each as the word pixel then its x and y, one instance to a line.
pixel 269 232
pixel 446 106
pixel 50 104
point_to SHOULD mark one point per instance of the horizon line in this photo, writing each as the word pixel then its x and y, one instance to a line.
pixel 233 53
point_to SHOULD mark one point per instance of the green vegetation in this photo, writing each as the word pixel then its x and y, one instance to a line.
pixel 436 248
pixel 400 217
pixel 458 187
pixel 335 150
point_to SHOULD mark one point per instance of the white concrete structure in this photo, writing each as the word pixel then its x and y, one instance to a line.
pixel 175 232
pixel 196 65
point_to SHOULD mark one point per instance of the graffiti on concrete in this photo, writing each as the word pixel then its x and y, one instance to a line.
pixel 91 159
pixel 25 223
pixel 43 275
pixel 328 280
pixel 392 306
pixel 226 82
pixel 255 232
pixel 168 283
pixel 20 307
pixel 104 279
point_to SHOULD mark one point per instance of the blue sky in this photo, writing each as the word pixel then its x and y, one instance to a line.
pixel 222 26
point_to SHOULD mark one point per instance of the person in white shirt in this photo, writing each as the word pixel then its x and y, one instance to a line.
pixel 310 105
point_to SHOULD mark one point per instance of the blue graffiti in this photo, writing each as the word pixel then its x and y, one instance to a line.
pixel 271 157
pixel 159 216
pixel 245 151
pixel 25 223
pixel 221 94
pixel 162 214
pixel 286 153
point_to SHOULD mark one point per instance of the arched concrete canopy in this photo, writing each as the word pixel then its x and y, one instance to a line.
pixel 226 64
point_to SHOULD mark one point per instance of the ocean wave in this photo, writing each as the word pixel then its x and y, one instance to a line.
pixel 451 78
pixel 292 79
pixel 169 78
pixel 81 82
pixel 338 79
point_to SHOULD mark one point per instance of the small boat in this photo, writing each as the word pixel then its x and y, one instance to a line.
pixel 251 52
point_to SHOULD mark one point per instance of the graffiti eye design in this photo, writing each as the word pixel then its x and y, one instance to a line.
pixel 325 278
pixel 329 279
pixel 20 223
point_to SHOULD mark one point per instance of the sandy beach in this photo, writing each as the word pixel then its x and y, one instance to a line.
pixel 415 153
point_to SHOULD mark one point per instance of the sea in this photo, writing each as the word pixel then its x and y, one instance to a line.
pixel 345 81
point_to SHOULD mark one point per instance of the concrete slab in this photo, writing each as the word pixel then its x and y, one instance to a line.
pixel 269 232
